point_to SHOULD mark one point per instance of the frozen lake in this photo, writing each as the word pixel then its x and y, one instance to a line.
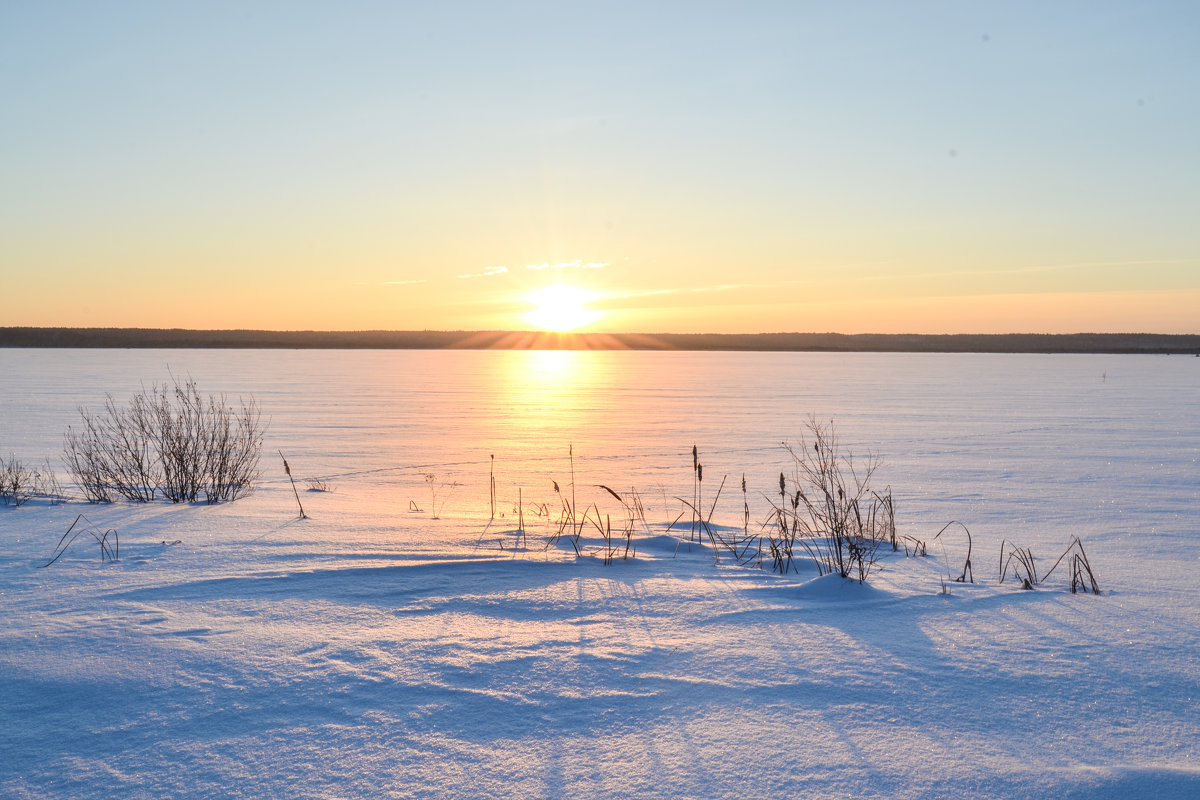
pixel 372 650
pixel 1017 438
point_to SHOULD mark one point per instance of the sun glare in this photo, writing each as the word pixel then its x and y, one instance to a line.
pixel 561 308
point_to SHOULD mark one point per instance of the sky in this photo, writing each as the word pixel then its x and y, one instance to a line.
pixel 859 167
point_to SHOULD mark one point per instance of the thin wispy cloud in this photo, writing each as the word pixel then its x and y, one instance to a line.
pixel 487 273
pixel 1032 270
pixel 568 265
pixel 720 287
pixel 399 283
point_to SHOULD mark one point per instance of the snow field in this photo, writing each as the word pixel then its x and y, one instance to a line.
pixel 373 651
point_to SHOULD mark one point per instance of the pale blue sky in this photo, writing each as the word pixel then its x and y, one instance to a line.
pixel 769 166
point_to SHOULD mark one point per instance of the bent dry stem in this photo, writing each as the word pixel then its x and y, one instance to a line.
pixel 296 492
pixel 968 573
pixel 109 551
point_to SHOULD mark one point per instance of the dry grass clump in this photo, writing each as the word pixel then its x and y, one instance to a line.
pixel 621 543
pixel 568 525
pixel 614 542
pixel 741 545
pixel 1081 577
pixel 702 526
pixel 1021 565
pixel 831 511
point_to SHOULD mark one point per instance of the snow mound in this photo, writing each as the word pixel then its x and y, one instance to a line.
pixel 833 588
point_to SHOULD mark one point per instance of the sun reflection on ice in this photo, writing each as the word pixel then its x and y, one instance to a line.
pixel 554 397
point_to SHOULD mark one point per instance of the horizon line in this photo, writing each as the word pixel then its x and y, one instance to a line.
pixel 775 341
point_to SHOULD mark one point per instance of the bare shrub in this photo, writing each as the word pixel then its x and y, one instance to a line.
pixel 110 455
pixel 169 440
pixel 204 446
pixel 46 484
pixel 18 483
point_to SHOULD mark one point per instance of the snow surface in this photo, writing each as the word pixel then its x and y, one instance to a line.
pixel 372 650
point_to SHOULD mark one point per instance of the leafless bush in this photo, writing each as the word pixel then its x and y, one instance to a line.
pixel 168 440
pixel 20 483
pixel 110 455
pixel 46 484
pixel 203 445
pixel 17 482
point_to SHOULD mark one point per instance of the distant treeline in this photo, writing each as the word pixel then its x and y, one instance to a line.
pixel 481 340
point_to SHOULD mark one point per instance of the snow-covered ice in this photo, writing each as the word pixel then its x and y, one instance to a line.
pixel 373 650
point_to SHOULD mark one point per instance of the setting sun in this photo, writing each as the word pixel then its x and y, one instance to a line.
pixel 561 308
